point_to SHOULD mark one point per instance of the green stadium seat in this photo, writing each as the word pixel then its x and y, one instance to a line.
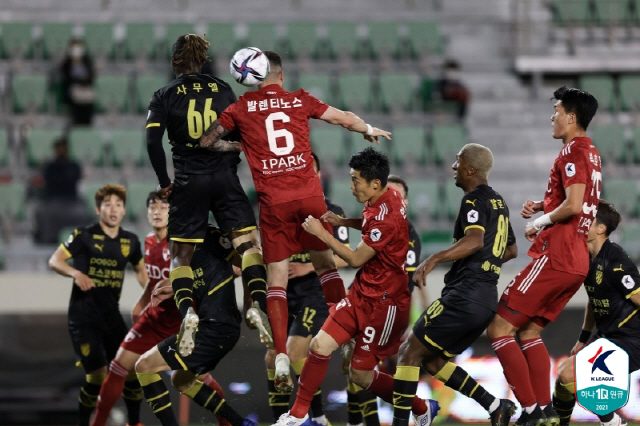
pixel 425 38
pixel 4 147
pixel 86 145
pixel 137 193
pixel 127 147
pixel 384 39
pixel 146 86
pixel 343 39
pixel 112 92
pixel 13 195
pixel 262 35
pixel 635 144
pixel 623 193
pixel 601 86
pixel 29 92
pixel 175 30
pixel 611 12
pixel 222 36
pixel 98 36
pixel 452 197
pixel 631 238
pixel 341 195
pixel 328 143
pixel 630 92
pixel 611 142
pixel 302 39
pixel 398 91
pixel 408 144
pixel 140 40
pixel 355 91
pixel 55 38
pixel 88 191
pixel 446 141
pixel 435 241
pixel 318 84
pixel 40 145
pixel 17 40
pixel 572 12
pixel 424 197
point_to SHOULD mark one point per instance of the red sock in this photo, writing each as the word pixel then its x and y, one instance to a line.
pixel 382 386
pixel 539 363
pixel 516 369
pixel 110 392
pixel 332 286
pixel 311 377
pixel 213 384
pixel 278 311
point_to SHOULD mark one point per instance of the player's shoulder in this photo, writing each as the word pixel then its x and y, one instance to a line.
pixel 617 256
pixel 150 239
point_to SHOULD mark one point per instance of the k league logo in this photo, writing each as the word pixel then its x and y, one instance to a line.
pixel 602 377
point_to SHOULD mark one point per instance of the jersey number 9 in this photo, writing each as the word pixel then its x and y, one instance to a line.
pixel 197 123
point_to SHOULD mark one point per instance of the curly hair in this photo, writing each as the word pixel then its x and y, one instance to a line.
pixel 189 52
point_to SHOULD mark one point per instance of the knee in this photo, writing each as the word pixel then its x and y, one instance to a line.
pixel 499 327
pixel 323 261
pixel 320 347
pixel 528 334
pixel 143 365
pixel 565 371
pixel 408 355
pixel 182 380
pixel 246 242
pixel 433 366
pixel 359 377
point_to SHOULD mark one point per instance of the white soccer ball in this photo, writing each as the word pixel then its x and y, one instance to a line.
pixel 249 66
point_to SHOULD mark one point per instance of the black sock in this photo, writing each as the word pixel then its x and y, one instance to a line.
pixel 458 379
pixel 354 415
pixel 210 400
pixel 132 394
pixel 182 283
pixel 317 409
pixel 87 402
pixel 564 400
pixel 606 417
pixel 255 275
pixel 405 386
pixel 279 402
pixel 157 395
pixel 369 408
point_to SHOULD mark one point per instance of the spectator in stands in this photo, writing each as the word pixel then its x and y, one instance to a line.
pixel 451 88
pixel 77 75
pixel 61 176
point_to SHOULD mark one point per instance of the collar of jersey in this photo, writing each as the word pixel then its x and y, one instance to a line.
pixel 271 87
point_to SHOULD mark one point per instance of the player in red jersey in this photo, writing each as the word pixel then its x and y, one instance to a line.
pixel 274 128
pixel 151 325
pixel 376 310
pixel 560 258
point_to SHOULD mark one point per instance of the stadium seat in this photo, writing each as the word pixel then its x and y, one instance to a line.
pixel 398 91
pixel 17 40
pixel 302 39
pixel 611 12
pixel 13 195
pixel 343 39
pixel 136 199
pixel 222 36
pixel 601 86
pixel 408 144
pixel 452 197
pixel 435 241
pixel 29 92
pixel 140 40
pixel 40 145
pixel 88 191
pixel 146 86
pixel 86 145
pixel 328 143
pixel 112 92
pixel 55 38
pixel 341 195
pixel 173 30
pixel 263 35
pixel 635 144
pixel 4 147
pixel 611 142
pixel 623 193
pixel 98 36
pixel 318 84
pixel 446 141
pixel 355 91
pixel 425 38
pixel 424 196
pixel 630 92
pixel 127 147
pixel 384 39
pixel 631 238
pixel 571 12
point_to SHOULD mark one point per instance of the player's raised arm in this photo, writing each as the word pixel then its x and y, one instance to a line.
pixel 352 122
pixel 571 206
pixel 212 139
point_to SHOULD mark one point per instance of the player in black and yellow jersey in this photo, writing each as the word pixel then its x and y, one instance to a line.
pixel 205 181
pixel 99 254
pixel 307 312
pixel 483 241
pixel 214 299
pixel 613 287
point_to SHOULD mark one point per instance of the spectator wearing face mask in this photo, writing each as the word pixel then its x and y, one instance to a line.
pixel 77 83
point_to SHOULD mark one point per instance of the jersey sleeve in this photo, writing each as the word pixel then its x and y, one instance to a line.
pixel 378 233
pixel 227 117
pixel 314 106
pixel 136 251
pixel 473 213
pixel 157 115
pixel 74 243
pixel 575 167
pixel 341 233
pixel 624 276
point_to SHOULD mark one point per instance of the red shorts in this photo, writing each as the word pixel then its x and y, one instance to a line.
pixel 281 230
pixel 148 332
pixel 377 325
pixel 538 293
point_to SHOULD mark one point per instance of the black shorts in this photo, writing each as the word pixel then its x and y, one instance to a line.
pixel 451 324
pixel 630 344
pixel 194 196
pixel 212 342
pixel 307 312
pixel 96 344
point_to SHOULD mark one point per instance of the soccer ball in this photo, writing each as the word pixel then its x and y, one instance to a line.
pixel 249 66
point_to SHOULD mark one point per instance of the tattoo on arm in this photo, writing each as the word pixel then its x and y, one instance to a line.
pixel 212 139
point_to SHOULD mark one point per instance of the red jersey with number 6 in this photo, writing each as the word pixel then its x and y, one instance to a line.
pixel 157 259
pixel 565 243
pixel 274 132
pixel 385 229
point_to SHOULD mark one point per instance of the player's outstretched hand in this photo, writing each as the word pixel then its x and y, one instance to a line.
pixel 420 276
pixel 312 226
pixel 331 218
pixel 577 347
pixel 166 191
pixel 83 281
pixel 529 208
pixel 530 232
pixel 160 294
pixel 376 133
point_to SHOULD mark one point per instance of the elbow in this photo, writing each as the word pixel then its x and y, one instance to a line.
pixel 575 208
pixel 52 263
pixel 354 263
